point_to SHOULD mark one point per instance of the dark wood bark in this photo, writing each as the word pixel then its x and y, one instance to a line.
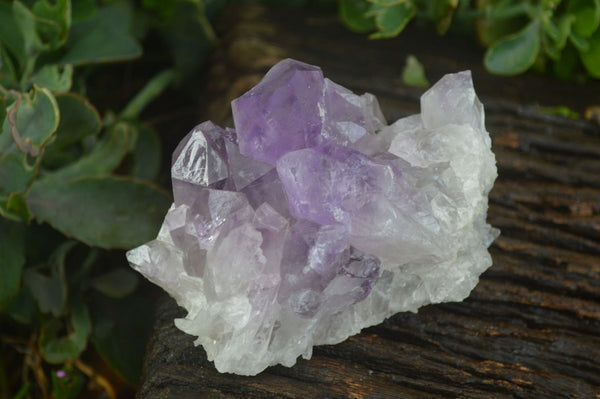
pixel 530 329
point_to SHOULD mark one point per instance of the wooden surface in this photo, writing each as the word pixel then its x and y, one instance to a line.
pixel 530 329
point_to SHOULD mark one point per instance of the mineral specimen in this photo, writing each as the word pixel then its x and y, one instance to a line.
pixel 314 219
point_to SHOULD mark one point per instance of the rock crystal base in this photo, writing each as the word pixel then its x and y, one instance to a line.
pixel 314 219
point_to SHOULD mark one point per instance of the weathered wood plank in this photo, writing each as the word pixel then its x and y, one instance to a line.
pixel 531 328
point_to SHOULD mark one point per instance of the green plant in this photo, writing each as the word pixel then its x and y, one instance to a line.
pixel 413 73
pixel 75 186
pixel 519 35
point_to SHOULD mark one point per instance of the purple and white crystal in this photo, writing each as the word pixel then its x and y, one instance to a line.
pixel 313 219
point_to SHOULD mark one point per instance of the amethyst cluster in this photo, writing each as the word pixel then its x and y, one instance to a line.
pixel 314 219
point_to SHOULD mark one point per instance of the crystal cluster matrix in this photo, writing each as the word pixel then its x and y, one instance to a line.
pixel 313 218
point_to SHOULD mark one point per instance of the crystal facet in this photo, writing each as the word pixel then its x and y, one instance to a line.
pixel 314 219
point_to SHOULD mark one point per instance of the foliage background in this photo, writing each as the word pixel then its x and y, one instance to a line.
pixel 558 36
pixel 79 182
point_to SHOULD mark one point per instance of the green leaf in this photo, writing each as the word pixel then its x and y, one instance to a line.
pixel 53 349
pixel 117 283
pixel 353 14
pixel 392 20
pixel 104 158
pixel 49 292
pixel 85 265
pixel 31 121
pixel 27 23
pixel 58 349
pixel 550 48
pixel 591 57
pixel 10 33
pixel 15 173
pixel 54 21
pixel 551 29
pixel 16 208
pixel 57 79
pixel 441 12
pixel 121 330
pixel 2 110
pixel 12 254
pixel 164 9
pixel 8 73
pixel 83 10
pixel 580 42
pixel 189 36
pixel 564 28
pixel 78 119
pixel 413 73
pixel 105 38
pixel 22 309
pixel 587 16
pixel 565 66
pixel 107 212
pixel 507 9
pixel 515 53
pixel 491 30
pixel 48 284
pixel 147 153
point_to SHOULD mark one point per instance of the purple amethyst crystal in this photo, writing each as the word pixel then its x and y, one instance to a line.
pixel 295 107
pixel 281 113
pixel 313 219
pixel 329 184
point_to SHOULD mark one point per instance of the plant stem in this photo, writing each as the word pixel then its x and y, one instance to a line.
pixel 206 25
pixel 97 378
pixel 152 89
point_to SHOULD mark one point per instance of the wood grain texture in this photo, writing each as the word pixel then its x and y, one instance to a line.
pixel 530 329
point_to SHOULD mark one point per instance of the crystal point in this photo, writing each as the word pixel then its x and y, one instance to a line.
pixel 281 113
pixel 314 219
pixel 200 158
